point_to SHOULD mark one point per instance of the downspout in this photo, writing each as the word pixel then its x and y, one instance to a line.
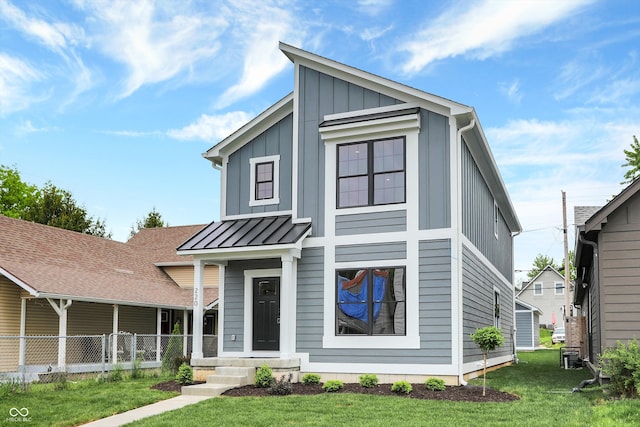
pixel 596 275
pixel 471 124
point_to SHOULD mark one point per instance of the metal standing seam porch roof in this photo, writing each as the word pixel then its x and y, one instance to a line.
pixel 247 232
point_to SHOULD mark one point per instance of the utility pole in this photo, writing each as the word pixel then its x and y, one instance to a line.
pixel 567 274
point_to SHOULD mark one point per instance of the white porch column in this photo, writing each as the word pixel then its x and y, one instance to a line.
pixel 114 336
pixel 23 332
pixel 288 289
pixel 198 308
pixel 158 332
pixel 61 310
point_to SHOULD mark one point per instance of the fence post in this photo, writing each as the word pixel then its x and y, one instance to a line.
pixel 103 351
pixel 134 348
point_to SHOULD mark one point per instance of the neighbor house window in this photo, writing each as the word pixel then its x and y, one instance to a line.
pixel 370 301
pixel 371 173
pixel 537 288
pixel 559 287
pixel 264 173
pixel 496 308
pixel 496 219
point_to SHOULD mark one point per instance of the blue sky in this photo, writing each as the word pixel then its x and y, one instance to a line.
pixel 116 100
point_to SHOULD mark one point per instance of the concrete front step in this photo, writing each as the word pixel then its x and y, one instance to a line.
pixel 206 389
pixel 227 379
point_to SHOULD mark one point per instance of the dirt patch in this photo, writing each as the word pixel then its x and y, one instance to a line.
pixel 453 393
pixel 172 385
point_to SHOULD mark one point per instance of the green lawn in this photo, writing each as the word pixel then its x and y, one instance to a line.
pixel 81 402
pixel 544 388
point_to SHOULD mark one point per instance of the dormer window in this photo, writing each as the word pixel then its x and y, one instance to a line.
pixel 264 180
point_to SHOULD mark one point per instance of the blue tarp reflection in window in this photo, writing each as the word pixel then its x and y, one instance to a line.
pixel 352 294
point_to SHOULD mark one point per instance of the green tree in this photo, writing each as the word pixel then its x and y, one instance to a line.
pixel 572 267
pixel 152 220
pixel 488 339
pixel 16 196
pixel 539 264
pixel 632 162
pixel 56 207
pixel 174 349
pixel 48 205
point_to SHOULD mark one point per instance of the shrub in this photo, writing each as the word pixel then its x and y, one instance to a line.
pixel 401 387
pixel 116 374
pixel 282 387
pixel 178 361
pixel 435 384
pixel 174 349
pixel 185 374
pixel 622 364
pixel 136 369
pixel 308 379
pixel 368 380
pixel 264 376
pixel 332 386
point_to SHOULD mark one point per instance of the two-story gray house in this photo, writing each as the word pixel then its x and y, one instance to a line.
pixel 364 228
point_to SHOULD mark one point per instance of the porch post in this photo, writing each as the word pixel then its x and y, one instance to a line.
pixel 114 335
pixel 158 332
pixel 288 308
pixel 61 310
pixel 23 332
pixel 198 308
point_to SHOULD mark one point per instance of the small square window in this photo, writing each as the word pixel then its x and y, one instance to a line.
pixel 264 173
pixel 537 288
pixel 559 288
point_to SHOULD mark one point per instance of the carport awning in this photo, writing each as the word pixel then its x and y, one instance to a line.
pixel 247 233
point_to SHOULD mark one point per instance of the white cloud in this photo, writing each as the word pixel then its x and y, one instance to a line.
pixel 512 91
pixel 483 29
pixel 374 7
pixel 265 26
pixel 155 41
pixel 16 78
pixel 370 34
pixel 27 127
pixel 211 128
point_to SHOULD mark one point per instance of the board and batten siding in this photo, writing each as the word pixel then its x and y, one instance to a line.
pixel 183 275
pixel 234 300
pixel 277 140
pixel 619 247
pixel 434 174
pixel 434 316
pixel 477 218
pixel 310 297
pixel 320 95
pixel 371 222
pixel 478 283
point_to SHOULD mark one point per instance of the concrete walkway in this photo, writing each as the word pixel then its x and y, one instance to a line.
pixel 147 411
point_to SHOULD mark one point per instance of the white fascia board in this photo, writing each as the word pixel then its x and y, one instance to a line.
pixel 112 301
pixel 271 251
pixel 488 167
pixel 371 81
pixel 18 282
pixel 252 129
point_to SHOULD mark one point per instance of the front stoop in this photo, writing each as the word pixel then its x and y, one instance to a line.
pixel 225 378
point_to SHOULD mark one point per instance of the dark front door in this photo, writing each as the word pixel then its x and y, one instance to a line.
pixel 266 314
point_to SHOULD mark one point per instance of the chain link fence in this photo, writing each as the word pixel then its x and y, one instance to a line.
pixel 37 358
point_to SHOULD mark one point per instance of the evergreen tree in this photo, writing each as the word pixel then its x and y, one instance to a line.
pixel 152 220
pixel 174 349
pixel 633 162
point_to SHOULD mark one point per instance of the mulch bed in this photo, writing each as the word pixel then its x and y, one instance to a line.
pixel 452 393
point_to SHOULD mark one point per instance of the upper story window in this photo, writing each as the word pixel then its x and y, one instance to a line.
pixel 559 288
pixel 537 288
pixel 371 173
pixel 265 172
pixel 496 308
pixel 496 219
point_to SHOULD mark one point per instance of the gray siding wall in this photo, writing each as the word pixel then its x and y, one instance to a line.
pixel 620 274
pixel 310 300
pixel 477 305
pixel 376 251
pixel 524 334
pixel 477 218
pixel 276 140
pixel 374 222
pixel 319 95
pixel 434 182
pixel 234 300
pixel 434 317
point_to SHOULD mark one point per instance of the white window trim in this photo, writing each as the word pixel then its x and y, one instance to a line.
pixel 496 320
pixel 541 289
pixel 275 200
pixel 555 288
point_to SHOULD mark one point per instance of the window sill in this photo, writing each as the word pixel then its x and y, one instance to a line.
pixel 380 341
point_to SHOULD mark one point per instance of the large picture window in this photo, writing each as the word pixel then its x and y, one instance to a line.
pixel 371 173
pixel 370 301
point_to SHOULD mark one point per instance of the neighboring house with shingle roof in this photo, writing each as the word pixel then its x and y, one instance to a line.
pixel 59 282
pixel 546 292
